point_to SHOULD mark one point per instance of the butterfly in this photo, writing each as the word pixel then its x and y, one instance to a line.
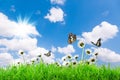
pixel 48 54
pixel 98 43
pixel 71 38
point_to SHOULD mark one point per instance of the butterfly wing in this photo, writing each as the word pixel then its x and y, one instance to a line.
pixel 71 38
pixel 69 41
pixel 48 54
pixel 93 43
pixel 74 37
pixel 98 44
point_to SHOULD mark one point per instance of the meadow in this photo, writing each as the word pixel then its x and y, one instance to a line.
pixel 69 68
pixel 42 71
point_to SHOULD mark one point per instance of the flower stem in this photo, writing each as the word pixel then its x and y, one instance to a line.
pixel 23 59
pixel 82 57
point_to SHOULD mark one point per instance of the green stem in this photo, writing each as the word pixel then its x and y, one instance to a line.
pixel 23 59
pixel 41 60
pixel 82 57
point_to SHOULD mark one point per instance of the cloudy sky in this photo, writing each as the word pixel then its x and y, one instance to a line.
pixel 37 26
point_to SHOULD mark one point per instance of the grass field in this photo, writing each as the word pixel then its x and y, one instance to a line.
pixel 70 69
pixel 53 72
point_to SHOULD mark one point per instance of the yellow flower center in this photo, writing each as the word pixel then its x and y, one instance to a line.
pixel 82 44
pixel 88 52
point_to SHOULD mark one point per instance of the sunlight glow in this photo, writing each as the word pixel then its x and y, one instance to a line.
pixel 25 28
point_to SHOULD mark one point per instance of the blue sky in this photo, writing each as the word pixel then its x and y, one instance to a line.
pixel 53 20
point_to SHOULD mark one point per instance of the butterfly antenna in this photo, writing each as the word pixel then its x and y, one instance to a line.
pixel 93 43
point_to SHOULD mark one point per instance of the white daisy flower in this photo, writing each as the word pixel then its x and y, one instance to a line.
pixel 58 64
pixel 76 57
pixel 92 60
pixel 66 63
pixel 88 51
pixel 74 62
pixel 96 54
pixel 21 52
pixel 87 62
pixel 81 44
pixel 69 56
pixel 64 58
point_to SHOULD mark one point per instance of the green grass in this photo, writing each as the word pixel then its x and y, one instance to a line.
pixel 53 72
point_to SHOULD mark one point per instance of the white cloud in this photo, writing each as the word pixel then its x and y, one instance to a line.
pixel 55 15
pixel 53 49
pixel 66 50
pixel 5 59
pixel 105 31
pixel 9 28
pixel 16 44
pixel 17 35
pixel 107 55
pixel 48 60
pixel 2 49
pixel 60 2
pixel 37 51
